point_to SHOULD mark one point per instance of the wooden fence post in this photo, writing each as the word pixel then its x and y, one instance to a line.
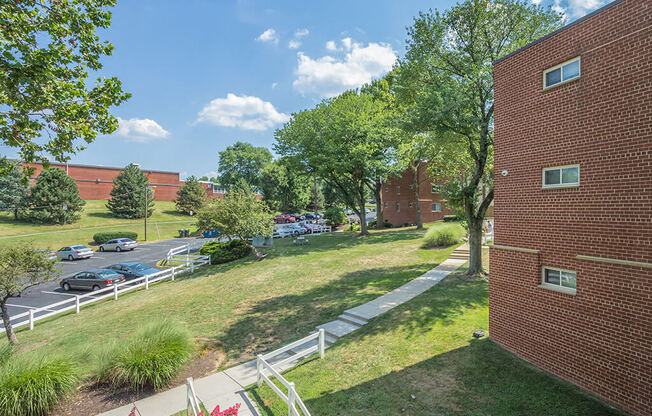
pixel 291 399
pixel 115 292
pixel 146 282
pixel 321 342
pixel 259 371
pixel 76 303
pixel 31 319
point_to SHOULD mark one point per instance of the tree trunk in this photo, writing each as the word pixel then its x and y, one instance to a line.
pixel 16 214
pixel 475 245
pixel 380 221
pixel 417 205
pixel 363 213
pixel 9 329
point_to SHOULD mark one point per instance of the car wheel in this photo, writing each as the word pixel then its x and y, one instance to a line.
pixel 70 257
pixel 118 249
pixel 96 288
pixel 101 248
pixel 66 287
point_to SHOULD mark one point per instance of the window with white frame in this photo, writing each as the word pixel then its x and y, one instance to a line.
pixel 436 207
pixel 565 280
pixel 398 190
pixel 398 207
pixel 561 73
pixel 561 176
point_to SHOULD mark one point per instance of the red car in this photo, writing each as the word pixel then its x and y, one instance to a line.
pixel 284 219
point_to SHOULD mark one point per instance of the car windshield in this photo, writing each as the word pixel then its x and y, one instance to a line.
pixel 138 267
pixel 78 247
pixel 125 240
pixel 107 273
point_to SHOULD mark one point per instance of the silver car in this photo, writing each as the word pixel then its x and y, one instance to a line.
pixel 74 252
pixel 119 244
pixel 92 280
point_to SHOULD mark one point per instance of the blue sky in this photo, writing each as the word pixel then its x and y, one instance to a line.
pixel 206 73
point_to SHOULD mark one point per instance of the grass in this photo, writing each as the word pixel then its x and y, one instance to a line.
pixel 95 214
pixel 421 359
pixel 443 234
pixel 250 307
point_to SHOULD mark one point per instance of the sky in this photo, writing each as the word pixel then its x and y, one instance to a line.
pixel 204 74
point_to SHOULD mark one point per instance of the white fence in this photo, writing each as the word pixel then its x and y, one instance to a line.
pixel 263 366
pixel 192 402
pixel 77 301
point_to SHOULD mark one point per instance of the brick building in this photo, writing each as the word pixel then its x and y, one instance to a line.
pixel 571 268
pixel 96 182
pixel 399 203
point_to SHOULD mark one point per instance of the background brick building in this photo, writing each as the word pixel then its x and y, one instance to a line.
pixel 597 335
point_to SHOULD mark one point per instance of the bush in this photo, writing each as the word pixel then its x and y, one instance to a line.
pixel 225 252
pixel 150 359
pixel 372 224
pixel 335 216
pixel 101 238
pixel 31 385
pixel 453 218
pixel 442 235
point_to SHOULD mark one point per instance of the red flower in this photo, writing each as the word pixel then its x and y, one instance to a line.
pixel 231 411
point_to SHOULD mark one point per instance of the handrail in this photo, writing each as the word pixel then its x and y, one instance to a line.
pixel 192 401
pixel 114 290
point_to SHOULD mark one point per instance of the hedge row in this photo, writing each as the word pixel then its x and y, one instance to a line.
pixel 225 252
pixel 101 238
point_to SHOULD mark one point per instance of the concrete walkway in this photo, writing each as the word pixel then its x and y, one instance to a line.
pixel 227 387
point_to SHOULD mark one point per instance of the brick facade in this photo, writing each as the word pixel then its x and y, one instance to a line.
pixel 399 191
pixel 598 338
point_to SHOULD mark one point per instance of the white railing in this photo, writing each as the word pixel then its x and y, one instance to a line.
pixel 192 402
pixel 486 237
pixel 292 399
pixel 77 301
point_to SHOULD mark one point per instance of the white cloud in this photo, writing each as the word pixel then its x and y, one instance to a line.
pixel 211 174
pixel 578 8
pixel 331 46
pixel 328 76
pixel 294 44
pixel 274 85
pixel 301 33
pixel 347 43
pixel 536 2
pixel 268 36
pixel 244 112
pixel 140 129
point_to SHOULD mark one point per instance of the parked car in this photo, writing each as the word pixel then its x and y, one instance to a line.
pixel 74 252
pixel 284 231
pixel 284 219
pixel 132 269
pixel 298 217
pixel 48 254
pixel 95 279
pixel 298 228
pixel 311 216
pixel 309 227
pixel 119 244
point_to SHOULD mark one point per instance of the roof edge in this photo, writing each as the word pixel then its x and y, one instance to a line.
pixel 97 167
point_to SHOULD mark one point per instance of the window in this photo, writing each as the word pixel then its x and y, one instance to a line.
pixel 386 205
pixel 558 279
pixel 411 205
pixel 435 189
pixel 561 73
pixel 398 207
pixel 561 176
pixel 386 189
pixel 398 190
pixel 436 207
pixel 411 186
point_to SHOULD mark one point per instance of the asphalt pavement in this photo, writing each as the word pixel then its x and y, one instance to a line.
pixel 50 292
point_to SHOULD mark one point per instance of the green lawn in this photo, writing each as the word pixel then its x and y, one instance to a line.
pixel 160 226
pixel 421 359
pixel 250 307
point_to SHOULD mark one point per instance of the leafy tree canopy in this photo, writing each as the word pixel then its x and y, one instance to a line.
pixel 243 161
pixel 54 198
pixel 284 187
pixel 131 194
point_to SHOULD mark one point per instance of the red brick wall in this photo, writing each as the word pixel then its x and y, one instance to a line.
pixel 599 338
pixel 407 213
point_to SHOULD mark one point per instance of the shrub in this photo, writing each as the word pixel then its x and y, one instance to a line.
pixel 335 216
pixel 453 218
pixel 31 385
pixel 149 359
pixel 442 235
pixel 101 238
pixel 225 252
pixel 372 224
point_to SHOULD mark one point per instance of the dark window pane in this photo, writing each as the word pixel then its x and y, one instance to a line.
pixel 553 77
pixel 553 177
pixel 552 277
pixel 571 70
pixel 570 175
pixel 568 279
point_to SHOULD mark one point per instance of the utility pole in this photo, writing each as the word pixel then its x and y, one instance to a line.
pixel 145 206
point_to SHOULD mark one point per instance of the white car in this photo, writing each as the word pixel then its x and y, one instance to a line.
pixel 119 244
pixel 74 252
pixel 285 231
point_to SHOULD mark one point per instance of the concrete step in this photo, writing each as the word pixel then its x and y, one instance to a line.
pixel 352 320
pixel 356 316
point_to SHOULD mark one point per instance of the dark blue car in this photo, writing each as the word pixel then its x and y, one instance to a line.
pixel 132 269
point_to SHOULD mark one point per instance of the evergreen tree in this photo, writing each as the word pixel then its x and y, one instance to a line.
pixel 130 193
pixel 317 199
pixel 13 195
pixel 54 198
pixel 191 196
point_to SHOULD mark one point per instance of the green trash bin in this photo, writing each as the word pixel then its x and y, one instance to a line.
pixel 186 232
pixel 181 232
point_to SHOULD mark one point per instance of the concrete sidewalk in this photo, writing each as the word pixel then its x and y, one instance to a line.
pixel 227 387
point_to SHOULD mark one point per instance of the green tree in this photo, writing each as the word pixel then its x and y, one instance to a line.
pixel 317 199
pixel 54 198
pixel 22 267
pixel 131 194
pixel 242 161
pixel 238 215
pixel 283 187
pixel 191 197
pixel 13 195
pixel 47 49
pixel 447 83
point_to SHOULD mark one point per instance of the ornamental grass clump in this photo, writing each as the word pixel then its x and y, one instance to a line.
pixel 443 235
pixel 32 385
pixel 151 359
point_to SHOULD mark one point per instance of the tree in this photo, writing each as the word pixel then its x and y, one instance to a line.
pixel 191 196
pixel 317 199
pixel 243 161
pixel 449 60
pixel 131 195
pixel 339 141
pixel 13 195
pixel 54 198
pixel 283 187
pixel 21 267
pixel 239 214
pixel 47 49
